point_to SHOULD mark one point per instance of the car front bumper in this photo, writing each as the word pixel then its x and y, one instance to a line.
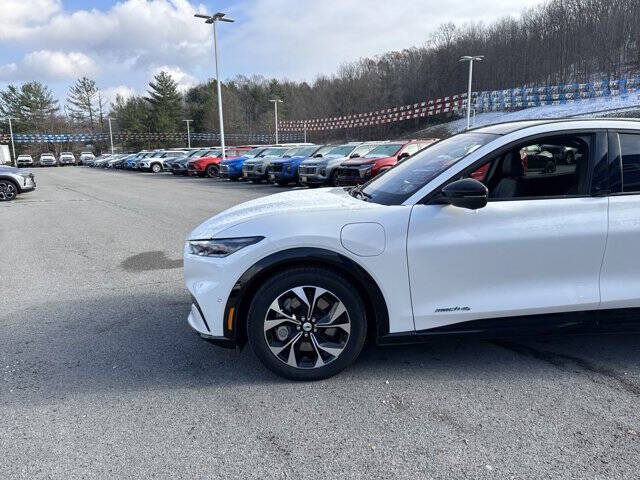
pixel 353 176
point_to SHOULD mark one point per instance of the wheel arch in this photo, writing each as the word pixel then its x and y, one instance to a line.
pixel 237 307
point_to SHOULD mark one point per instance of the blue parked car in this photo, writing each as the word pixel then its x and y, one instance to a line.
pixel 231 168
pixel 130 163
pixel 284 170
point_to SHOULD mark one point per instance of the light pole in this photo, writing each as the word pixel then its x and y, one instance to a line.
pixel 275 107
pixel 213 19
pixel 470 59
pixel 13 146
pixel 188 133
pixel 110 134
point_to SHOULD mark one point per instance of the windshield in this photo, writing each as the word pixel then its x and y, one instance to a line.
pixel 303 152
pixel 272 152
pixel 341 151
pixel 196 153
pixel 402 181
pixel 253 153
pixel 386 150
pixel 363 150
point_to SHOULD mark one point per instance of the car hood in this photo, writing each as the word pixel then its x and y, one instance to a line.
pixel 356 162
pixel 300 201
pixel 4 169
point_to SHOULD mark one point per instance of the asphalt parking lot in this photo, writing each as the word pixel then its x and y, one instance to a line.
pixel 102 377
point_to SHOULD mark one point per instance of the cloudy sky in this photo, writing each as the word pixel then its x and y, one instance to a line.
pixel 122 43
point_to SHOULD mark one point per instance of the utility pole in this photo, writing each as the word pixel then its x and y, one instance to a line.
pixel 188 133
pixel 470 59
pixel 275 106
pixel 13 146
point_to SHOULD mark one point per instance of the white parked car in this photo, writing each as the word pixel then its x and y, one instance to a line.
pixel 48 160
pixel 24 160
pixel 461 238
pixel 67 158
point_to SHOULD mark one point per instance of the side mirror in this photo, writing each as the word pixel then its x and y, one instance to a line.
pixel 354 155
pixel 403 155
pixel 466 193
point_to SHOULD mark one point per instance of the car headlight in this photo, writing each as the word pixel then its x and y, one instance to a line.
pixel 220 247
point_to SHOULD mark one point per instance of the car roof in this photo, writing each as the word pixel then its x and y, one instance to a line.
pixel 505 128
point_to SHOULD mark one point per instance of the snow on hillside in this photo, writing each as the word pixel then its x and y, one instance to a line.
pixel 585 108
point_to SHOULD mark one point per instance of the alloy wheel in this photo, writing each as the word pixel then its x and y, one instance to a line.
pixel 307 327
pixel 8 191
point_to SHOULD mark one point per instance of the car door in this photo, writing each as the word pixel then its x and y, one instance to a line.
pixel 533 253
pixel 620 279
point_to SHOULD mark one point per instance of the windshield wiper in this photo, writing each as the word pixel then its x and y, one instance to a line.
pixel 357 191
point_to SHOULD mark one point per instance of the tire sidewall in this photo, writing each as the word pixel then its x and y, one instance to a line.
pixel 211 171
pixel 284 281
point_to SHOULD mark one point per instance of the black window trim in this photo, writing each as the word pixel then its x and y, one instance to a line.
pixel 600 143
pixel 619 168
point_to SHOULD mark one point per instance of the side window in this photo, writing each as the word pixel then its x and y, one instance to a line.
pixel 630 146
pixel 545 167
pixel 411 148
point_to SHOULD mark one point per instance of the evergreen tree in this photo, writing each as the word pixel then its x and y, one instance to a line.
pixel 165 102
pixel 31 104
pixel 81 100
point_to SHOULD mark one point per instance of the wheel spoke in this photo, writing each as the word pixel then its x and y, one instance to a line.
pixel 299 292
pixel 344 326
pixel 337 311
pixel 319 360
pixel 269 324
pixel 278 350
pixel 275 306
pixel 330 350
pixel 318 292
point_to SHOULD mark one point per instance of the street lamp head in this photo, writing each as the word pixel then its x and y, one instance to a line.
pixel 212 18
pixel 471 58
pixel 276 100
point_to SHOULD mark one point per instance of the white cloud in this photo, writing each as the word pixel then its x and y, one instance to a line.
pixel 128 41
pixel 110 94
pixel 183 79
pixel 46 65
pixel 302 39
pixel 19 17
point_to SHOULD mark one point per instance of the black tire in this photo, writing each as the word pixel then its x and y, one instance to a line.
pixel 156 167
pixel 8 191
pixel 211 171
pixel 339 289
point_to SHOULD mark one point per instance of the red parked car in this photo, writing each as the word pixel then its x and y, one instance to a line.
pixel 210 166
pixel 359 170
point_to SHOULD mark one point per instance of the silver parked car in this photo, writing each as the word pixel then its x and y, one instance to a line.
pixel 48 160
pixel 24 160
pixel 67 158
pixel 14 181
pixel 86 157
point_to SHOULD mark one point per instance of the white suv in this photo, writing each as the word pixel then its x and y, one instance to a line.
pixel 67 158
pixel 462 238
pixel 24 160
pixel 48 160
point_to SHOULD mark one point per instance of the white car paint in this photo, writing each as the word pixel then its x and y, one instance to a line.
pixel 438 265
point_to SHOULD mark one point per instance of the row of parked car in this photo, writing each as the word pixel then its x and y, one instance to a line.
pixel 304 164
pixel 48 159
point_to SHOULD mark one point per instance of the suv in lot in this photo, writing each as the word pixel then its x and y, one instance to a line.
pixel 86 158
pixel 48 160
pixel 461 238
pixel 209 165
pixel 155 162
pixel 323 170
pixel 359 170
pixel 255 169
pixel 24 160
pixel 284 170
pixel 231 168
pixel 67 158
pixel 14 181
